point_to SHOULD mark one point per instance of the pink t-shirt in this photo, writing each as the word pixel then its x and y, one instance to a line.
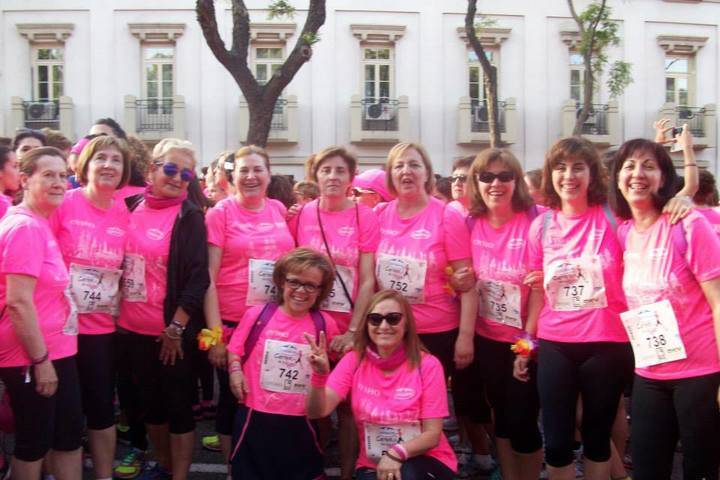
pixel 91 237
pixel 582 262
pixel 28 247
pixel 349 233
pixel 281 353
pixel 656 270
pixel 457 205
pixel 403 397
pixel 412 256
pixel 144 282
pixel 500 261
pixel 713 216
pixel 128 191
pixel 5 203
pixel 243 235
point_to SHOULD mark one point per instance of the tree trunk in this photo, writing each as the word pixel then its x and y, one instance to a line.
pixel 589 86
pixel 260 122
pixel 490 75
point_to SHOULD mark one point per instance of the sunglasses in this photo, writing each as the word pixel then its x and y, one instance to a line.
pixel 489 177
pixel 392 318
pixel 293 284
pixel 171 169
pixel 458 178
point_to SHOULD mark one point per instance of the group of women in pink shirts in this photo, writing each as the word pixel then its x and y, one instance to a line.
pixel 547 307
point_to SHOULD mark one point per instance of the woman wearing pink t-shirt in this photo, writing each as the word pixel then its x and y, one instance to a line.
pixel 270 373
pixel 37 328
pixel 672 284
pixel 398 395
pixel 419 240
pixel 9 178
pixel 501 212
pixel 348 233
pixel 91 229
pixel 247 233
pixel 165 277
pixel 583 348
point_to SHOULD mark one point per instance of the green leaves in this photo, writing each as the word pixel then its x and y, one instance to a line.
pixel 619 78
pixel 311 38
pixel 280 9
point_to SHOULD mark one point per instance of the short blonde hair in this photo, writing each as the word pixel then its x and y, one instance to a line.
pixel 396 152
pixel 167 145
pixel 101 143
pixel 249 150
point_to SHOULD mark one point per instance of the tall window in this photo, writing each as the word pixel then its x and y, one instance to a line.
pixel 159 85
pixel 267 61
pixel 476 79
pixel 677 80
pixel 577 76
pixel 378 72
pixel 48 78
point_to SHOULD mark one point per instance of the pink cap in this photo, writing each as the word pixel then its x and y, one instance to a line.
pixel 80 145
pixel 374 179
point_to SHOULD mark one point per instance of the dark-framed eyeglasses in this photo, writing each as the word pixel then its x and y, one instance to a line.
pixel 294 284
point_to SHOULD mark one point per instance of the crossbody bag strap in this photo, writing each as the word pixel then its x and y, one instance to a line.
pixel 265 315
pixel 327 247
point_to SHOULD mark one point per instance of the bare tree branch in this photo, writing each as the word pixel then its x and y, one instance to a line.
pixel 241 29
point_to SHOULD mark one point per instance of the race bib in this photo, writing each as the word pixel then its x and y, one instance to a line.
pixel 95 289
pixel 261 289
pixel 133 278
pixel 500 302
pixel 574 284
pixel 380 438
pixel 71 322
pixel 337 301
pixel 654 334
pixel 405 275
pixel 285 367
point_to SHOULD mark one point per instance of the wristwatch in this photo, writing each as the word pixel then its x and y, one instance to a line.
pixel 176 328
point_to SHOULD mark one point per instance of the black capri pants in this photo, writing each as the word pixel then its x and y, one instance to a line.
pixel 96 370
pixel 597 371
pixel 44 423
pixel 165 392
pixel 468 390
pixel 227 403
pixel 665 410
pixel 515 403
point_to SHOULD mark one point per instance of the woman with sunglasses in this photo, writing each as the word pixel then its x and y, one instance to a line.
pixel 501 211
pixel 270 373
pixel 459 179
pixel 9 178
pixel 247 233
pixel 419 240
pixel 348 234
pixel 37 328
pixel 165 276
pixel 398 394
pixel 91 229
pixel 672 285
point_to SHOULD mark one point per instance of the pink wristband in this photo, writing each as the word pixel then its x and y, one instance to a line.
pixel 400 450
pixel 318 380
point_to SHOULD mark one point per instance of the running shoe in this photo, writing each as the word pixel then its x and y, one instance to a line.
pixel 131 466
pixel 211 443
pixel 155 473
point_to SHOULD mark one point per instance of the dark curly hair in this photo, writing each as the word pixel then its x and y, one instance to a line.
pixel 572 148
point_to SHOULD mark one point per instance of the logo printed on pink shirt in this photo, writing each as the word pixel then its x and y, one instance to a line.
pixel 346 231
pixel 264 227
pixel 515 243
pixel 115 231
pixel 154 234
pixel 421 234
pixel 82 223
pixel 404 393
pixel 483 243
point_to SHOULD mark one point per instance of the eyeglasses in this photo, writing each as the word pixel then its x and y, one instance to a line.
pixel 458 178
pixel 171 169
pixel 294 284
pixel 489 177
pixel 392 318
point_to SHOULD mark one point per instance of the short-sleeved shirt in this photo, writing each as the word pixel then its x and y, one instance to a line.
pixel 28 247
pixel 403 396
pixel 656 270
pixel 244 234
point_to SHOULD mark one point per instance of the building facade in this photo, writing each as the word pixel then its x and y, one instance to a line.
pixel 383 71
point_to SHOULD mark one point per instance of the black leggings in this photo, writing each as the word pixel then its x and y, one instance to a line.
pixel 127 393
pixel 416 468
pixel 594 369
pixel 665 410
pixel 96 369
pixel 44 423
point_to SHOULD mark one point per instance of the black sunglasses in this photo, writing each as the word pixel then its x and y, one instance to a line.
pixel 458 178
pixel 171 169
pixel 392 318
pixel 489 177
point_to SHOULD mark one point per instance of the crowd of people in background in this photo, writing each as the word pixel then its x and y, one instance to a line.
pixel 529 307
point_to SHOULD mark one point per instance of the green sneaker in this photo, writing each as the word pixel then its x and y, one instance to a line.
pixel 211 443
pixel 131 466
